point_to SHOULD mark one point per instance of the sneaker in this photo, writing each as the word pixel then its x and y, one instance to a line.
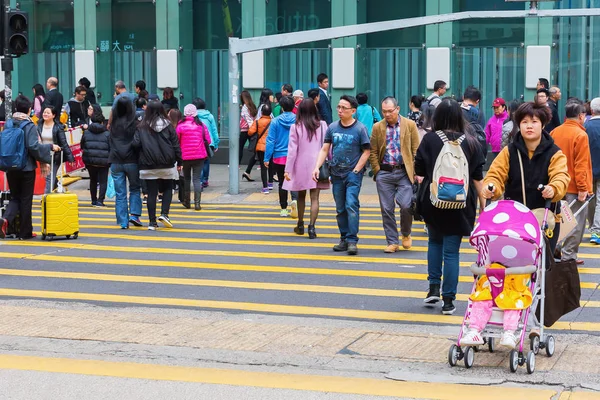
pixel 135 220
pixel 294 206
pixel 352 249
pixel 165 221
pixel 153 227
pixel 471 338
pixel 145 200
pixel 3 227
pixel 205 184
pixel 265 191
pixel 433 296
pixel 100 205
pixel 94 204
pixel 125 227
pixel 595 238
pixel 448 307
pixel 284 213
pixel 341 246
pixel 159 199
pixel 270 186
pixel 508 340
pixel 406 242
pixel 392 248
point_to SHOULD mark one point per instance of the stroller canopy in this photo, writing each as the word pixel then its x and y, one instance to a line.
pixel 509 233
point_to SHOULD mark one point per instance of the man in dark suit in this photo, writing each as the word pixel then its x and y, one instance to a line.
pixel 324 105
pixel 53 97
pixel 555 96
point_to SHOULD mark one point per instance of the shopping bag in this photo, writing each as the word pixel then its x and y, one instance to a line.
pixel 567 221
pixel 563 291
pixel 110 188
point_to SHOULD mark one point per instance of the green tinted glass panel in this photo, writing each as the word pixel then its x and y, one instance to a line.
pixel 490 32
pixel 51 24
pixel 133 26
pixel 296 16
pixel 380 10
pixel 214 22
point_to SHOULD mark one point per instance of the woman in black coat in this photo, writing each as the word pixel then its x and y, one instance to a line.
pixel 95 145
pixel 447 227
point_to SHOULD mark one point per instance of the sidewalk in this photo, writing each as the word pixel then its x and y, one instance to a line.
pixel 250 192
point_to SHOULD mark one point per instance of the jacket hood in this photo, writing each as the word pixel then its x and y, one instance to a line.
pixel 75 100
pixel 287 119
pixel 95 127
pixel 203 112
pixel 546 143
pixel 160 124
pixel 502 116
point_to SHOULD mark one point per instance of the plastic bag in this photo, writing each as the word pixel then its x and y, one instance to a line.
pixel 110 188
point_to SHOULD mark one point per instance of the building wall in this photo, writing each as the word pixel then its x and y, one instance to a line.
pixel 125 35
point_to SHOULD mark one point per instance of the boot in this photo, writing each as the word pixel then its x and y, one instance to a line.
pixel 197 199
pixel 186 199
pixel 434 294
pixel 311 232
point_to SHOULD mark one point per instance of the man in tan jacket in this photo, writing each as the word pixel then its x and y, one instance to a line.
pixel 394 144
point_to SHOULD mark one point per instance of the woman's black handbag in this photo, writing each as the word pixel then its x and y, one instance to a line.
pixel 324 169
pixel 210 152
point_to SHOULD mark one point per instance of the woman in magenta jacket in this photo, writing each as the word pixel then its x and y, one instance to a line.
pixel 493 129
pixel 193 135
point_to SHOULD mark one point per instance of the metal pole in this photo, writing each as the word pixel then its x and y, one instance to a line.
pixel 234 121
pixel 7 67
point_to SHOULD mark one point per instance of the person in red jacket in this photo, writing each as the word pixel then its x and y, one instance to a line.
pixel 193 138
pixel 572 139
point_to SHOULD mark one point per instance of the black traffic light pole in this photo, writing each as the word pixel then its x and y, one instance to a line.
pixel 7 65
pixel 14 45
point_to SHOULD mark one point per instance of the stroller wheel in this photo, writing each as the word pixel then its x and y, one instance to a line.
pixel 469 357
pixel 530 362
pixel 491 345
pixel 534 344
pixel 513 359
pixel 550 345
pixel 453 355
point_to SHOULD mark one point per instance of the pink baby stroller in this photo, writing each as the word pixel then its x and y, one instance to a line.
pixel 508 233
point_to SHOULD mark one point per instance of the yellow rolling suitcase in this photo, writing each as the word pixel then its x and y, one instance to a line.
pixel 60 211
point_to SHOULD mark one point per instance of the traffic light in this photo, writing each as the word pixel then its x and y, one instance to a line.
pixel 16 38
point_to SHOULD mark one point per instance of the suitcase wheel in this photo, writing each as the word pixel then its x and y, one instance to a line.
pixel 44 236
pixel 68 236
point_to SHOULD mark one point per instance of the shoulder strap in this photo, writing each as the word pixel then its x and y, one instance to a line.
pixel 264 130
pixel 445 139
pixel 522 176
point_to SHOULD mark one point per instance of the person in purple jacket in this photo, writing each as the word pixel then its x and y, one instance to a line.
pixel 493 129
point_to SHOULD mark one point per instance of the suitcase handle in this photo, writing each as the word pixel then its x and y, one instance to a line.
pixel 52 170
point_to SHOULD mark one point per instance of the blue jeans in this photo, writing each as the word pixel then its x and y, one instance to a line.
pixel 443 249
pixel 345 193
pixel 206 170
pixel 121 173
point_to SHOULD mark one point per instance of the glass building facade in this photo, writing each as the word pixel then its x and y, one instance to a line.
pixel 125 35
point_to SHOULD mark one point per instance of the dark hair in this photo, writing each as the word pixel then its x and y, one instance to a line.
pixel 472 93
pixel 97 115
pixel 417 100
pixel 530 109
pixel 143 94
pixel 574 108
pixel 308 117
pixel 154 111
pixel 80 89
pixel 287 103
pixel 140 85
pixel 199 103
pixel 265 96
pixel 544 83
pixel 351 100
pixel 362 98
pixel 543 90
pixel 588 108
pixel 52 110
pixel 38 90
pixel 313 93
pixel 448 117
pixel 247 101
pixel 278 96
pixel 438 85
pixel 174 115
pixel 85 82
pixel 123 115
pixel 427 118
pixel 168 93
pixel 140 102
pixel 22 104
pixel 288 88
pixel 265 109
pixel 513 106
pixel 321 77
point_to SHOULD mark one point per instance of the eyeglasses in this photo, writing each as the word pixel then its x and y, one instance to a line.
pixel 344 108
pixel 386 112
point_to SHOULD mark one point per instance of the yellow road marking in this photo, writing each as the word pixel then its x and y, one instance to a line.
pixel 240 267
pixel 269 308
pixel 273 380
pixel 235 284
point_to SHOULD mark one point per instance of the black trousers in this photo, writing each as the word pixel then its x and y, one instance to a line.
pixel 153 186
pixel 283 194
pixel 264 171
pixel 21 186
pixel 98 175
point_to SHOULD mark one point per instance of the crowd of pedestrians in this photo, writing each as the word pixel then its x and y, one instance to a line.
pixel 149 146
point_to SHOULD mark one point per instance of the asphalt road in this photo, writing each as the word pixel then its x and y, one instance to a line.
pixel 240 258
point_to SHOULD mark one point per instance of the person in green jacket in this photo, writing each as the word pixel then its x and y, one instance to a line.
pixel 209 120
pixel 276 107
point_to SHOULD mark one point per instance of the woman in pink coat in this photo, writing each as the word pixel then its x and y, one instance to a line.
pixel 493 129
pixel 192 135
pixel 306 140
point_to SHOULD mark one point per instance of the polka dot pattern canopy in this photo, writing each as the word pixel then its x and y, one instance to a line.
pixel 509 232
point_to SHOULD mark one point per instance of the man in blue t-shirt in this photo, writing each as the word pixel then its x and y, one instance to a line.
pixel 350 144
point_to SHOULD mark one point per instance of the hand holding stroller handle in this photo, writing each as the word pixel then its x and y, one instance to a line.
pixel 491 187
pixel 548 202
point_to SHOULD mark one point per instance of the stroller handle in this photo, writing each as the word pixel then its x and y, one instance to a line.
pixel 491 188
pixel 528 269
pixel 548 202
